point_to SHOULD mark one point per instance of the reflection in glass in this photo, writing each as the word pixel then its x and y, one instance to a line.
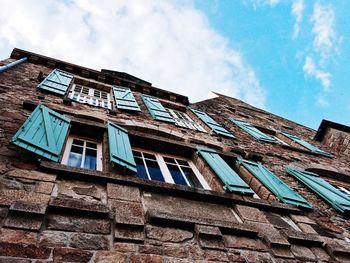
pixel 176 174
pixel 154 171
pixel 75 156
pixel 191 177
pixel 141 170
pixel 90 159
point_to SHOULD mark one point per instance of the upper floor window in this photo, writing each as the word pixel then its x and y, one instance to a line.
pixel 154 166
pixel 90 96
pixel 82 153
pixel 183 120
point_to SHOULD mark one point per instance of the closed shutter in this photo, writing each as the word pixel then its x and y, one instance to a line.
pixel 281 190
pixel 305 144
pixel 231 180
pixel 43 133
pixel 156 109
pixel 259 135
pixel 328 192
pixel 217 128
pixel 57 81
pixel 124 99
pixel 120 152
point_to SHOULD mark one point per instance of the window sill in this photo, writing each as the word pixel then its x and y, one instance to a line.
pixel 64 171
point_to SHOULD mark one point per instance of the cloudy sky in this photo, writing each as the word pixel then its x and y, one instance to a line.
pixel 290 57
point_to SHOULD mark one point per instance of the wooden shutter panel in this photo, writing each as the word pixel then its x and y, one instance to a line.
pixel 231 180
pixel 57 81
pixel 43 133
pixel 157 110
pixel 280 189
pixel 124 99
pixel 328 192
pixel 217 128
pixel 305 144
pixel 259 135
pixel 120 152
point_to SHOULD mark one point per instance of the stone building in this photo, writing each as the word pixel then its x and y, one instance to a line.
pixel 100 166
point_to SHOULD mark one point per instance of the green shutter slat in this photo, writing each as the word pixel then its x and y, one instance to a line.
pixel 57 81
pixel 44 133
pixel 124 99
pixel 259 135
pixel 156 109
pixel 120 151
pixel 280 189
pixel 231 180
pixel 328 192
pixel 217 128
pixel 305 144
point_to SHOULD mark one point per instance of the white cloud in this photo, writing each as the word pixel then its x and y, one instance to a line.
pixel 297 11
pixel 322 102
pixel 168 44
pixel 325 37
pixel 259 3
pixel 310 69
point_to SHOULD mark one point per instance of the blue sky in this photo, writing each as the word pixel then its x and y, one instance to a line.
pixel 289 57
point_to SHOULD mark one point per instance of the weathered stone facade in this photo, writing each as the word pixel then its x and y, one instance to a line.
pixel 50 212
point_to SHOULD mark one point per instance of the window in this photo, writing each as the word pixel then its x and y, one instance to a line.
pixel 90 96
pixel 170 169
pixel 183 120
pixel 82 153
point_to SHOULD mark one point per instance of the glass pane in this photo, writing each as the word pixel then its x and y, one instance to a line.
pixel 169 160
pixel 182 162
pixel 78 142
pixel 149 156
pixel 141 170
pixel 91 145
pixel 191 177
pixel 136 154
pixel 176 174
pixel 75 156
pixel 85 90
pixel 154 171
pixel 90 159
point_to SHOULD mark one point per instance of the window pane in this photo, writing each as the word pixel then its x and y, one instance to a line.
pixel 149 156
pixel 141 170
pixel 169 160
pixel 136 154
pixel 191 177
pixel 182 162
pixel 176 174
pixel 91 145
pixel 78 142
pixel 154 170
pixel 75 156
pixel 90 159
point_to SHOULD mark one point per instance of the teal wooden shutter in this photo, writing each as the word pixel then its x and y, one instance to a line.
pixel 120 152
pixel 57 81
pixel 305 144
pixel 281 190
pixel 231 180
pixel 124 99
pixel 259 135
pixel 156 109
pixel 217 128
pixel 328 192
pixel 43 133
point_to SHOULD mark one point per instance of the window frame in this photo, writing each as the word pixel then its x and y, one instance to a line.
pixel 185 121
pixel 166 172
pixel 68 147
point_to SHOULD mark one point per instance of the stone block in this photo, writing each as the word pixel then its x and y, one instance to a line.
pixel 79 205
pixel 282 252
pixel 145 258
pixel 129 233
pixel 17 236
pixel 84 191
pixel 303 253
pixel 23 251
pixel 89 241
pixel 210 242
pixel 109 256
pixel 303 238
pixel 23 221
pixel 151 249
pixel 65 254
pixel 167 234
pixel 8 197
pixel 202 230
pixel 50 238
pixel 123 192
pixel 33 175
pixel 302 219
pixel 215 255
pixel 44 187
pixel 125 247
pixel 320 254
pixel 26 207
pixel 175 250
pixel 78 224
pixel 271 235
pixel 128 213
pixel 306 228
pixel 251 214
pixel 237 242
pixel 253 256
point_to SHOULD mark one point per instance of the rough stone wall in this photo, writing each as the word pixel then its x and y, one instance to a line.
pixel 338 141
pixel 54 213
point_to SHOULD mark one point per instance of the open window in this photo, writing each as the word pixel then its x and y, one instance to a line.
pixel 183 120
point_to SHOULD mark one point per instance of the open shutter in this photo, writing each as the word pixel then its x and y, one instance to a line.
pixel 280 189
pixel 120 152
pixel 57 81
pixel 217 128
pixel 259 135
pixel 124 99
pixel 328 192
pixel 232 181
pixel 156 109
pixel 305 144
pixel 43 133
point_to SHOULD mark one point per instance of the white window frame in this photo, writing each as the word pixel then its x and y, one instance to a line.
pixel 165 171
pixel 344 190
pixel 68 148
pixel 90 97
pixel 183 120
